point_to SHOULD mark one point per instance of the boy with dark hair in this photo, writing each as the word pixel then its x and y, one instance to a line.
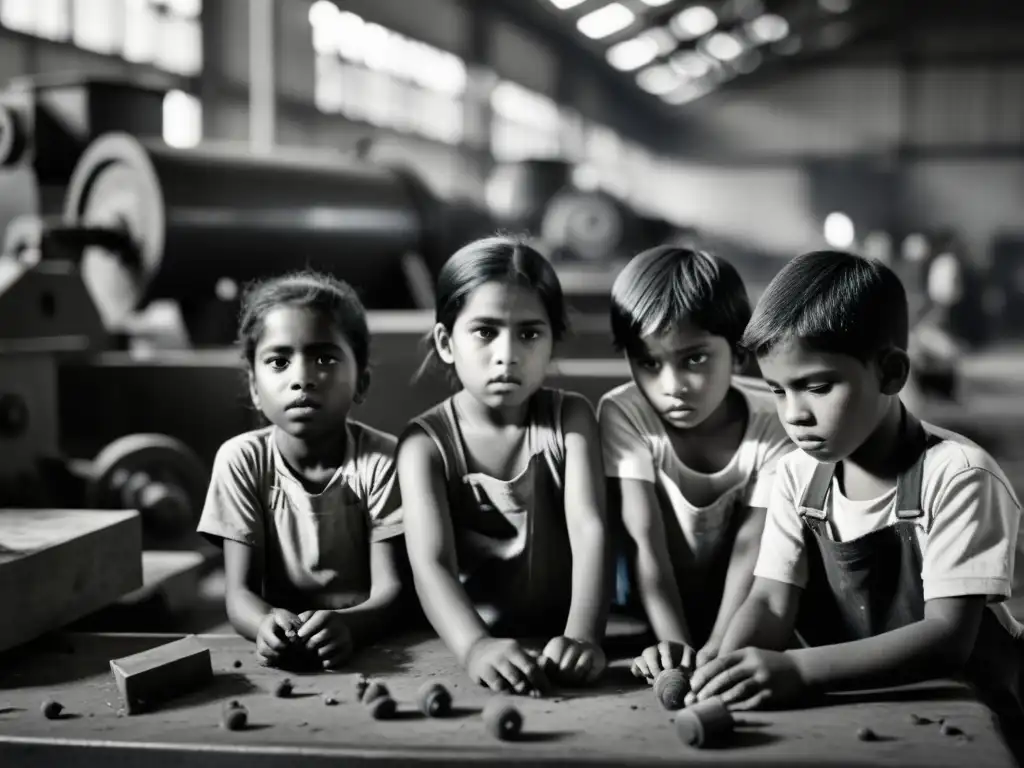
pixel 690 448
pixel 890 545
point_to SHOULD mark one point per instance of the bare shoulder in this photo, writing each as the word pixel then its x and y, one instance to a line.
pixel 417 450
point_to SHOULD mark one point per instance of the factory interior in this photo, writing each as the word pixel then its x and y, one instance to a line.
pixel 157 156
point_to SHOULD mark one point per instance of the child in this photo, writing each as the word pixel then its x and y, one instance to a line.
pixel 307 508
pixel 690 448
pixel 502 481
pixel 889 544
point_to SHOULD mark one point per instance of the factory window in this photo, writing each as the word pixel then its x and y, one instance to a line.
pixel 97 26
pixel 183 119
pixel 526 124
pixel 50 19
pixel 370 73
pixel 165 33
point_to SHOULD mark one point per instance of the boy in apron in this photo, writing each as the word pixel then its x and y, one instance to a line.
pixel 689 448
pixel 890 544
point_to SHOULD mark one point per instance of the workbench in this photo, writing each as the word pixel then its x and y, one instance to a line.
pixel 616 723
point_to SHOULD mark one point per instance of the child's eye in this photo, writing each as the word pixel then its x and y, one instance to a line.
pixel 277 363
pixel 649 365
pixel 485 333
pixel 697 359
pixel 820 389
pixel 531 335
pixel 777 392
pixel 326 360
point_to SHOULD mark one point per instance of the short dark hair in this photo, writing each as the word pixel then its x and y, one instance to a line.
pixel 307 289
pixel 834 302
pixel 664 286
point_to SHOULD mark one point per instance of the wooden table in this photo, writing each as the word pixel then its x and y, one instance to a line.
pixel 617 723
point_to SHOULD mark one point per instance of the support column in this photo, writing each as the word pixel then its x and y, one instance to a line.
pixel 262 85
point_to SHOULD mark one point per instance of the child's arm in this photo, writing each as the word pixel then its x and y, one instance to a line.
pixel 430 543
pixel 251 616
pixel 656 580
pixel 369 619
pixel 738 578
pixel 233 515
pixel 937 646
pixel 772 445
pixel 765 619
pixel 584 495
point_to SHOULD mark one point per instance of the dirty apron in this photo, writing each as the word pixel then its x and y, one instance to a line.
pixel 511 539
pixel 872 584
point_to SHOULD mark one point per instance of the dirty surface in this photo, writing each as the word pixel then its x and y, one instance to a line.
pixel 619 722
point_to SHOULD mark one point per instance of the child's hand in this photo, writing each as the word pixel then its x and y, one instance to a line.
pixel 574 661
pixel 657 658
pixel 326 634
pixel 708 653
pixel 503 665
pixel 747 679
pixel 276 631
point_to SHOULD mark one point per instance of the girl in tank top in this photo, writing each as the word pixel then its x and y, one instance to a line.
pixel 502 482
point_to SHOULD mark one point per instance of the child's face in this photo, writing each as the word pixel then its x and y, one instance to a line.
pixel 500 344
pixel 685 374
pixel 829 403
pixel 304 376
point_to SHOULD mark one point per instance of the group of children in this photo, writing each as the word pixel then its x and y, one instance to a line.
pixel 785 536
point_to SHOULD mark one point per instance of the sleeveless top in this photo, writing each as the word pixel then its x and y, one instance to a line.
pixel 511 539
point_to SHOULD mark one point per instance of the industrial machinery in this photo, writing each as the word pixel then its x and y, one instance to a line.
pixel 190 219
pixel 47 121
pixel 572 224
pixel 48 319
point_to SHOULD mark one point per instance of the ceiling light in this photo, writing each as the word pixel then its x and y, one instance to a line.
pixel 693 22
pixel 658 79
pixel 613 18
pixel 839 231
pixel 656 3
pixel 632 54
pixel 768 28
pixel 564 5
pixel 723 47
pixel 660 37
pixel 690 64
pixel 835 6
pixel 322 12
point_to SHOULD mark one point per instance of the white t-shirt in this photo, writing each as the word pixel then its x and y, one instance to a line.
pixel 969 535
pixel 636 445
pixel 315 543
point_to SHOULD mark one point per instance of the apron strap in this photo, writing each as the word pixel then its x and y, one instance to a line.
pixel 813 502
pixel 910 483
